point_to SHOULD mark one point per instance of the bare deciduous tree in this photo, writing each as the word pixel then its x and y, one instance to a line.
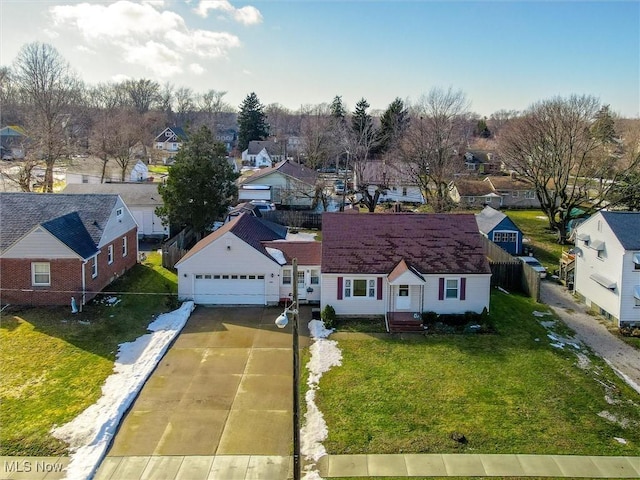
pixel 431 147
pixel 552 146
pixel 49 89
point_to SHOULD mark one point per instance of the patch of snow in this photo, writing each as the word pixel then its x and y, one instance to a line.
pixel 300 237
pixel 325 354
pixel 558 345
pixel 277 255
pixel 583 361
pixel 626 378
pixel 541 217
pixel 623 422
pixel 90 433
pixel 620 440
pixel 503 290
pixel 548 324
pixel 541 314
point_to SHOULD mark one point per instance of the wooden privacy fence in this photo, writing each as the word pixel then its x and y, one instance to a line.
pixel 177 247
pixel 510 273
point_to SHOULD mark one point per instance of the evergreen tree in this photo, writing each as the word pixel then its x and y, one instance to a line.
pixel 337 108
pixel 362 123
pixel 252 122
pixel 603 128
pixel 393 124
pixel 482 130
pixel 200 185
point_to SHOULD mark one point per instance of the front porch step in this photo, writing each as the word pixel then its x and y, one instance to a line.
pixel 406 326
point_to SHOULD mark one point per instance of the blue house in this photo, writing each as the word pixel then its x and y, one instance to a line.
pixel 499 228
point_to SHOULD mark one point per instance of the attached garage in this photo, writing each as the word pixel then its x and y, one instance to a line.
pixel 229 289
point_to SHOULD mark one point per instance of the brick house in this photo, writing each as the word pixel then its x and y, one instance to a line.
pixel 54 247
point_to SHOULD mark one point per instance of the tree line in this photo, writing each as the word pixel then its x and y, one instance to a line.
pixel 572 150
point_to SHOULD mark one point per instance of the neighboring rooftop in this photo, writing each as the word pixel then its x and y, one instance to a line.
pixel 473 188
pixel 626 226
pixel 489 218
pixel 289 169
pixel 376 243
pixel 307 253
pixel 133 194
pixel 75 220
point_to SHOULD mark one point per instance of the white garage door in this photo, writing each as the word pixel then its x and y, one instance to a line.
pixel 229 289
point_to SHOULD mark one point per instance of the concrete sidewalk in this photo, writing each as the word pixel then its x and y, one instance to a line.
pixel 251 467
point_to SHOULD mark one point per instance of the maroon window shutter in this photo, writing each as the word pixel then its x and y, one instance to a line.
pixel 339 288
pixel 441 289
pixel 463 289
pixel 379 288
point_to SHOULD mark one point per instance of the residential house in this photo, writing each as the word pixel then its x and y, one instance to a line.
pixel 55 247
pixel 247 261
pixel 141 199
pixel 92 170
pixel 289 184
pixel 402 264
pixel 473 193
pixel 395 176
pixel 513 191
pixel 228 137
pixel 168 142
pixel 481 162
pixel 13 142
pixel 607 265
pixel 262 153
pixel 500 229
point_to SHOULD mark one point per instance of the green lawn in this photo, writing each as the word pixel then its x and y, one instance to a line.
pixel 52 366
pixel 535 226
pixel 509 392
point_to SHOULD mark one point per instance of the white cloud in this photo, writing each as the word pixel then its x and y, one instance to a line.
pixel 158 40
pixel 196 69
pixel 247 15
pixel 85 49
pixel 120 77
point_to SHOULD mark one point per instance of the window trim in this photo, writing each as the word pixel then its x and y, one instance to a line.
pixel 34 273
pixel 446 288
pixel 287 276
pixel 110 254
pixel 370 288
pixel 125 247
pixel 94 267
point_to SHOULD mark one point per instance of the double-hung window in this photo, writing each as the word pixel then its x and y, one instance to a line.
pixel 451 290
pixel 315 277
pixel 110 254
pixel 94 267
pixel 41 274
pixel 286 276
pixel 124 246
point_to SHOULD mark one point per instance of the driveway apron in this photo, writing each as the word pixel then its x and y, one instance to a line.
pixel 223 388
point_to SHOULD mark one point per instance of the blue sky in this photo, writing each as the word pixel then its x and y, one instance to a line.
pixel 502 54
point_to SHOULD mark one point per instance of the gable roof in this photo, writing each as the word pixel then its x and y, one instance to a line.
pixel 256 146
pixel 76 220
pixel 294 170
pixel 380 172
pixel 177 131
pixel 625 226
pixel 13 131
pixel 507 183
pixel 376 243
pixel 250 229
pixel 307 253
pixel 489 218
pixel 473 188
pixel 132 194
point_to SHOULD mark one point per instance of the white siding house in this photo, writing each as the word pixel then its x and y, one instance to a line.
pixel 607 268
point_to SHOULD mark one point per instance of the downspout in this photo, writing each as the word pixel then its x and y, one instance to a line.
pixel 84 285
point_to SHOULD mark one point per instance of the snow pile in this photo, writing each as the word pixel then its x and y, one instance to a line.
pixel 324 355
pixel 300 237
pixel 277 255
pixel 90 433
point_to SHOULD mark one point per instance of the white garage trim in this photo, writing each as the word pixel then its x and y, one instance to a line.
pixel 229 289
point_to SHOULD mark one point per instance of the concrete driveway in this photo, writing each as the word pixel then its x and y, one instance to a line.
pixel 223 388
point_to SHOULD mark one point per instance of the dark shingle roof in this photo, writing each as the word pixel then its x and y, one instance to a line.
pixel 289 169
pixel 307 253
pixel 376 243
pixel 70 231
pixel 626 226
pixel 473 188
pixel 379 172
pixel 250 229
pixel 21 212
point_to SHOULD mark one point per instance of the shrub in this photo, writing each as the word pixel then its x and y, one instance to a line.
pixel 328 316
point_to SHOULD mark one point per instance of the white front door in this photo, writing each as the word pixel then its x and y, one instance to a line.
pixel 403 300
pixel 302 288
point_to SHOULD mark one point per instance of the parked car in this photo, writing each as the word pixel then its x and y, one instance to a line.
pixel 535 264
pixel 263 205
pixel 338 187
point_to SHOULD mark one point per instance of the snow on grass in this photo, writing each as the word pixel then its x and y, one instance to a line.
pixel 90 433
pixel 324 355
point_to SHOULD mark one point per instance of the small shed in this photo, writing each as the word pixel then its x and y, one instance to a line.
pixel 500 229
